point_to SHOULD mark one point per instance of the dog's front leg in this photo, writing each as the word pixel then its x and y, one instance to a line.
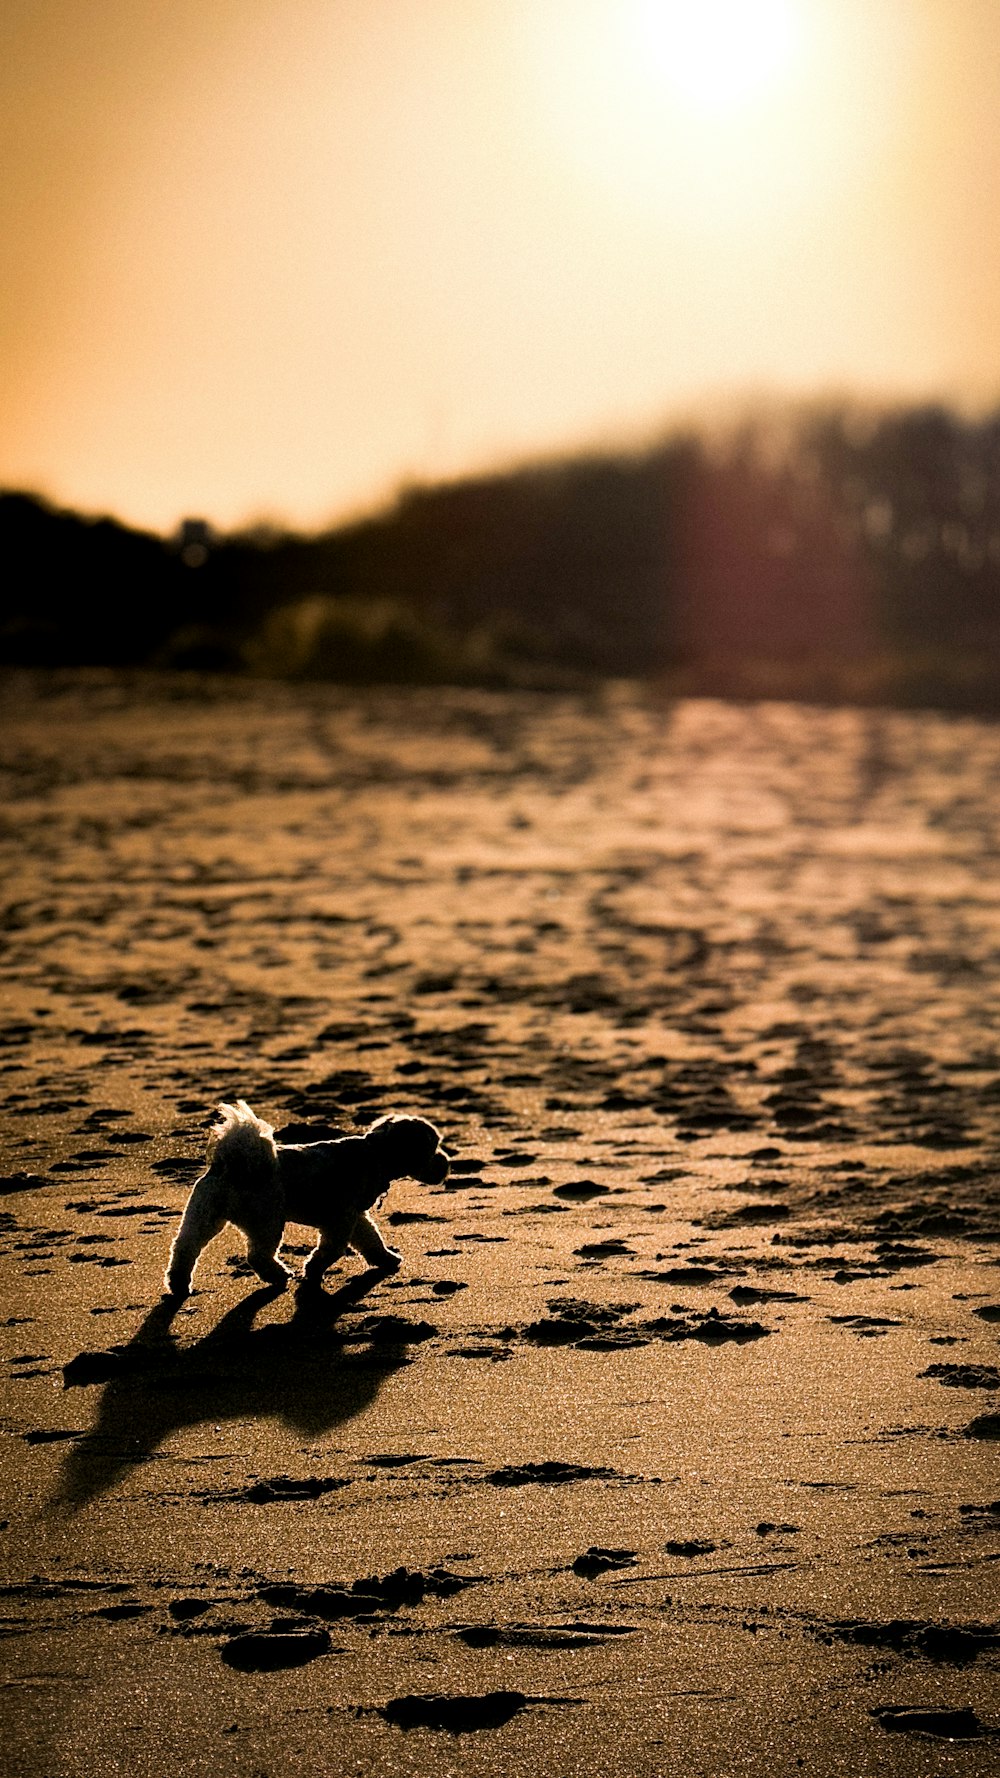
pixel 366 1240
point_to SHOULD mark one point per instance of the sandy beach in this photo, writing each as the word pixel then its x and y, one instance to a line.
pixel 673 1445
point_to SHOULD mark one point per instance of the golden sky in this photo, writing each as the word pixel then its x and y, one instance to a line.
pixel 275 258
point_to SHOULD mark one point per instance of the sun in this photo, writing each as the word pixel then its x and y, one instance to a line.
pixel 710 116
pixel 717 55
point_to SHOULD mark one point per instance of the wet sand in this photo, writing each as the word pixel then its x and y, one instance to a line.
pixel 674 1443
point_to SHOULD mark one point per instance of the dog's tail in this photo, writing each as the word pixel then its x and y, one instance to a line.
pixel 243 1144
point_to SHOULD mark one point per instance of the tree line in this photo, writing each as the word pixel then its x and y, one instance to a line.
pixel 828 552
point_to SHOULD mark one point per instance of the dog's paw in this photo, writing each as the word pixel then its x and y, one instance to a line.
pixel 177 1288
pixel 391 1261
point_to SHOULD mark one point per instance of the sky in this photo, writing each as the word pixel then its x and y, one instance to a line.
pixel 274 260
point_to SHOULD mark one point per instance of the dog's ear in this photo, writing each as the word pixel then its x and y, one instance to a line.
pixel 389 1136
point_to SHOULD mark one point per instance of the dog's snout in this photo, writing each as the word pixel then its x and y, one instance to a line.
pixel 437 1167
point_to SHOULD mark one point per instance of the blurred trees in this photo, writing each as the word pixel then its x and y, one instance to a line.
pixel 829 552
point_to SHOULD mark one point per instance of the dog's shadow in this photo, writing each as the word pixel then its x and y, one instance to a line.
pixel 296 1371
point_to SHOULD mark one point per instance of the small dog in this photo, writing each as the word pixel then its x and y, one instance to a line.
pixel 260 1184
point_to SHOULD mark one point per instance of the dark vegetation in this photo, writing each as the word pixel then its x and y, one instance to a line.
pixel 836 555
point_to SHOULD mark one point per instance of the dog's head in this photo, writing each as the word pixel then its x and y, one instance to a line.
pixel 410 1148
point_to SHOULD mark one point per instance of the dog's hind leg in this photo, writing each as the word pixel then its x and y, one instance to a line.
pixel 263 1242
pixel 366 1240
pixel 329 1248
pixel 204 1216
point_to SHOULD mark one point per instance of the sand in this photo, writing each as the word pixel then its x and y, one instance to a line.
pixel 673 1446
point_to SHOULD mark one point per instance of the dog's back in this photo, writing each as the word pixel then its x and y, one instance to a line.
pixel 318 1176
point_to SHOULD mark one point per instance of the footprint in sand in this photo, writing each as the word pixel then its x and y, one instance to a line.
pixel 462 1714
pixel 271 1650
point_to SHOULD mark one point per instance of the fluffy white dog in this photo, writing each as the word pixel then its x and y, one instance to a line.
pixel 260 1184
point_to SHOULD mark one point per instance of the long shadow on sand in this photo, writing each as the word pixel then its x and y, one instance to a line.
pixel 296 1372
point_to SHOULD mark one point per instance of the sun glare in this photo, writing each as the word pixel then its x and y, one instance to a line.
pixel 717 54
